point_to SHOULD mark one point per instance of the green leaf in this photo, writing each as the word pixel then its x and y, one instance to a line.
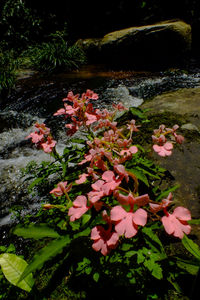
pixel 192 247
pixel 157 271
pixel 78 141
pixel 130 253
pixel 171 279
pixel 191 268
pixel 166 193
pixel 195 222
pixel 140 257
pixel 154 268
pixel 36 231
pixel 149 232
pixel 45 254
pixel 88 270
pixel 35 182
pixel 85 218
pixel 96 276
pixel 85 232
pixel 140 175
pixel 126 247
pixel 13 267
pixel 135 111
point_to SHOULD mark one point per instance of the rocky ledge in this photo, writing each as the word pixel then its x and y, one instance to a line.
pixel 158 45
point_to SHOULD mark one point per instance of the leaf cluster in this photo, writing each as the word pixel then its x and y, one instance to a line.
pixel 55 55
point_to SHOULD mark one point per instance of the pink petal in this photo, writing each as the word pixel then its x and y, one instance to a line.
pixel 155 207
pixel 168 223
pixel 80 201
pixel 133 149
pixel 113 240
pixel 140 217
pixel 117 213
pixel 121 198
pixel 95 233
pixel 98 245
pixel 142 200
pixel 60 112
pixel 82 178
pixel 157 148
pixel 97 186
pixel 108 176
pixel 76 213
pixel 104 249
pixel 126 226
pixel 182 213
pixel 94 196
pixel 168 146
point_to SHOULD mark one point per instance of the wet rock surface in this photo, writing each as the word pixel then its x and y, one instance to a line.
pixel 184 163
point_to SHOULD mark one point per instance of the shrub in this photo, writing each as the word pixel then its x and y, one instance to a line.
pixel 8 65
pixel 56 55
pixel 108 218
pixel 18 24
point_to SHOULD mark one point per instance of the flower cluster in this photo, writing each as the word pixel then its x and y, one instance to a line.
pixel 163 146
pixel 114 188
pixel 42 138
pixel 80 110
pixel 81 113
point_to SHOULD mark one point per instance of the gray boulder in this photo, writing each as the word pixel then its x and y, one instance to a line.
pixel 161 44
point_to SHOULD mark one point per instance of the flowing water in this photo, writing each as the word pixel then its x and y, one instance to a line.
pixel 36 99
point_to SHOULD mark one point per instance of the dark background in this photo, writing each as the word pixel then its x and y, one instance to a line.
pixel 95 18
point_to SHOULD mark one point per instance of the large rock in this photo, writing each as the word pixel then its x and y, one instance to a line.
pixel 185 102
pixel 162 44
pixel 181 107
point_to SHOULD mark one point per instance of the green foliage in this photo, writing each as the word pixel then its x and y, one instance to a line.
pixel 192 247
pixel 138 261
pixel 19 24
pixel 45 254
pixel 8 65
pixel 55 55
pixel 35 231
pixel 13 267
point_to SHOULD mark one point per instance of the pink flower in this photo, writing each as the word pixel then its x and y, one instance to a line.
pixel 78 209
pixel 130 200
pixel 176 223
pixel 120 169
pixel 97 192
pixel 48 145
pixel 42 128
pixel 155 207
pixel 164 150
pixel 104 240
pixel 90 119
pixel 111 183
pixel 70 110
pixel 82 178
pixel 71 97
pixel 159 140
pixel 119 106
pixel 59 112
pixel 61 189
pixel 36 137
pixel 179 138
pixel 132 127
pixel 126 222
pixel 91 95
pixel 130 151
pixel 72 128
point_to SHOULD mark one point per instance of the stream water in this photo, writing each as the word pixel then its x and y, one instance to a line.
pixel 37 98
